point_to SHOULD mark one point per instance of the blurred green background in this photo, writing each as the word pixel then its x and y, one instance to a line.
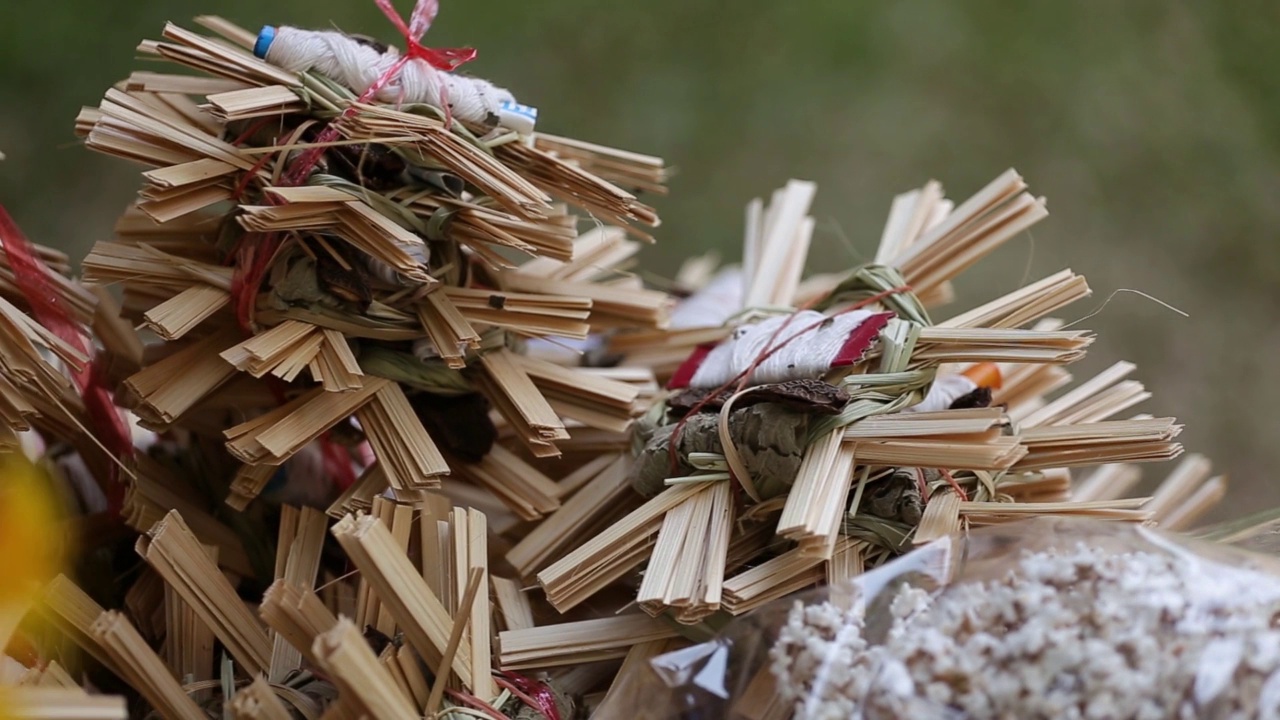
pixel 1152 127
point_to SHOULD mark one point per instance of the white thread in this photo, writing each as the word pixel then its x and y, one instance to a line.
pixel 357 66
pixel 808 356
pixel 945 390
pixel 1112 296
pixel 714 304
pixel 562 350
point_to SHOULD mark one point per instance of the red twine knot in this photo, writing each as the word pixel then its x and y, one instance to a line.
pixel 424 13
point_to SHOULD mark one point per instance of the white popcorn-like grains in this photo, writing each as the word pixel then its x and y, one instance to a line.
pixel 1087 634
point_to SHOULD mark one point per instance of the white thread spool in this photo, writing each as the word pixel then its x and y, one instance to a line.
pixel 358 66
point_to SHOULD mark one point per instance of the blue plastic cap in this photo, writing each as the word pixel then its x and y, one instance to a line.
pixel 265 38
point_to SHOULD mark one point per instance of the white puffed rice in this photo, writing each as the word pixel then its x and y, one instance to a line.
pixel 1088 634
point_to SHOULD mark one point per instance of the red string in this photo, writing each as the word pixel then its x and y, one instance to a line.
pixel 477 703
pixel 742 378
pixel 34 280
pixel 251 131
pixel 537 695
pixel 243 185
pixel 253 258
pixel 424 13
pixel 964 496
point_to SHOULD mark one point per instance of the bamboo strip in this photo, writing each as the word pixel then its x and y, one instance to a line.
pixel 576 642
pixel 419 689
pixel 297 615
pixel 941 517
pixel 58 703
pixel 146 671
pixel 530 494
pixel 628 306
pixel 188 640
pixel 407 455
pixel 248 483
pixel 774 578
pixel 938 345
pixel 1188 476
pixel 821 483
pixel 182 313
pixel 1026 304
pixel 634 663
pixel 417 610
pixel 276 436
pixel 513 393
pixel 456 634
pixel 607 556
pixel 687 568
pixel 514 610
pixel 258 702
pixel 846 563
pixel 243 104
pixel 153 494
pixel 986 453
pixel 346 657
pixel 173 551
pixel 73 612
pixel 168 388
pixel 359 497
pixel 1204 499
pixel 298 550
pixel 563 527
pixel 1054 412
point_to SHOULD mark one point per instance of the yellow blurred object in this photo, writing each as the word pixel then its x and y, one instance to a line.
pixel 31 542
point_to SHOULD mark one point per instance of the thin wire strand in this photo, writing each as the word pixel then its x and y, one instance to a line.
pixel 1104 304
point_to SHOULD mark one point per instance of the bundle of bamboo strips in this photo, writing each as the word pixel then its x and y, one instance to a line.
pixel 872 481
pixel 363 267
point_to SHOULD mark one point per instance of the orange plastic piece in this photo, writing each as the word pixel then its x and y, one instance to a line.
pixel 985 375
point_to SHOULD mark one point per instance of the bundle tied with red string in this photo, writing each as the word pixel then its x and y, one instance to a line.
pixel 338 255
pixel 348 226
pixel 832 422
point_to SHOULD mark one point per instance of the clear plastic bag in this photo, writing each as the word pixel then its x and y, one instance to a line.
pixel 1045 618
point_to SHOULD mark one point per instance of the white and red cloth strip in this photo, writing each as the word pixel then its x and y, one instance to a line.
pixel 807 352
